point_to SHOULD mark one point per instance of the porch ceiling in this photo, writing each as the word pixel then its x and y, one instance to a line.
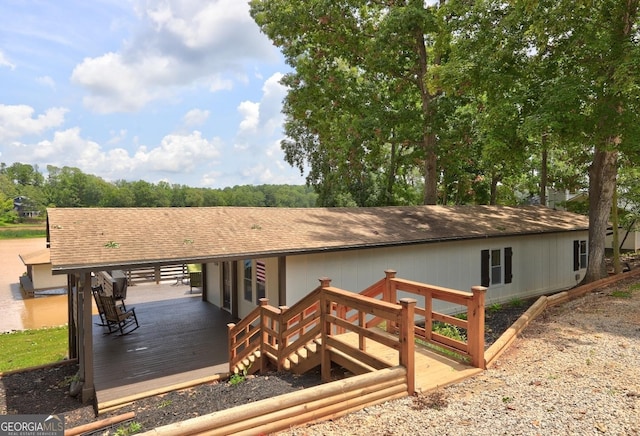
pixel 104 238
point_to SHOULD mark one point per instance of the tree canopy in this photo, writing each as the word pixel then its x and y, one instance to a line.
pixel 475 102
pixel 70 187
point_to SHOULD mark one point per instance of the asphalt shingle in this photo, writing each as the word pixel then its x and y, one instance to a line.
pixel 102 238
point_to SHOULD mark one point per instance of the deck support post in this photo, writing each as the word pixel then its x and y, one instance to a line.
pixel 475 319
pixel 407 342
pixel 325 352
pixel 389 295
pixel 264 302
pixel 86 336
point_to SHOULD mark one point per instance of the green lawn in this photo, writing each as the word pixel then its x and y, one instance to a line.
pixel 19 231
pixel 24 349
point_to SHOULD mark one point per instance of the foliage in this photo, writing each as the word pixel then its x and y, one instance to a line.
pixel 13 232
pixel 28 348
pixel 70 187
pixel 132 427
pixel 238 377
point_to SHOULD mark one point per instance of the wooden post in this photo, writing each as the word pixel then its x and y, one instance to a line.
pixel 157 274
pixel 264 335
pixel 362 323
pixel 428 315
pixel 407 342
pixel 325 309
pixel 475 320
pixel 231 343
pixel 282 341
pixel 86 376
pixel 389 295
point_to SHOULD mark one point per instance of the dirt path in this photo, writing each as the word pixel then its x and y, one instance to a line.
pixel 17 313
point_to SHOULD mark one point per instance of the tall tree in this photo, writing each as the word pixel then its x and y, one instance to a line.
pixel 363 107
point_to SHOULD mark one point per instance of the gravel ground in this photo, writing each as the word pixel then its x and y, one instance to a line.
pixel 574 371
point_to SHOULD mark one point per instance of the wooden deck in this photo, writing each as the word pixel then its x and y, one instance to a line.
pixel 432 370
pixel 182 341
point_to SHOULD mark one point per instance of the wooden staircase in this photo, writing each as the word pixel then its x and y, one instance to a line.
pixel 307 335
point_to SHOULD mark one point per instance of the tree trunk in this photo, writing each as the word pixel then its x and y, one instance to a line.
pixel 602 182
pixel 493 200
pixel 615 223
pixel 544 171
pixel 429 138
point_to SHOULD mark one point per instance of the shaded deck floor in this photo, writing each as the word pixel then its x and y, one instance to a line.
pixel 181 341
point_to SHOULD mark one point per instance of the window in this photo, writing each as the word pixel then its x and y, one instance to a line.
pixel 579 255
pixel 248 280
pixel 261 280
pixel 496 265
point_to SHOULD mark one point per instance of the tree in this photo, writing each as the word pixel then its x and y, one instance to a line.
pixel 363 107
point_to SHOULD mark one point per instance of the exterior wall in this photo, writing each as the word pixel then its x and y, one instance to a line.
pixel 541 264
pixel 631 243
pixel 271 291
pixel 42 278
pixel 214 283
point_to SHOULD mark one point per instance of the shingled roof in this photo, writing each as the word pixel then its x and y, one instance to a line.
pixel 105 238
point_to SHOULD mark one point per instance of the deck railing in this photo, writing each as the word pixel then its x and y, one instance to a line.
pixel 277 333
pixel 472 322
pixel 328 312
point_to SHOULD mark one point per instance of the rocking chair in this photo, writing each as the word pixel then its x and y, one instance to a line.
pixel 118 317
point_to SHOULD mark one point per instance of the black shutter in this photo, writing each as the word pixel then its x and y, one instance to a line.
pixel 484 281
pixel 508 271
pixel 576 255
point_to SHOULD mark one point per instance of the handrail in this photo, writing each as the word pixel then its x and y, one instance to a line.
pixel 277 333
pixel 473 301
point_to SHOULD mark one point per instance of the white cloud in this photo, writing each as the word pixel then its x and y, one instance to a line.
pixel 117 137
pixel 195 117
pixel 179 153
pixel 262 119
pixel 47 81
pixel 17 121
pixel 250 112
pixel 4 62
pixel 179 44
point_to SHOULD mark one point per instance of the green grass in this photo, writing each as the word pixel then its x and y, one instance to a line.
pixel 22 231
pixel 626 293
pixel 27 348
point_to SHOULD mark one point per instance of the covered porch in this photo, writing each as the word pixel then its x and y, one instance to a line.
pixel 181 341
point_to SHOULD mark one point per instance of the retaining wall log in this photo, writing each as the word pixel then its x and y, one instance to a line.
pixel 268 406
pixel 500 345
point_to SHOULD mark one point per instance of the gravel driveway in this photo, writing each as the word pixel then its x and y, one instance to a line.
pixel 574 371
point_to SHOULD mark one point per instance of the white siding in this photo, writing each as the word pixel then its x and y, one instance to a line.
pixel 43 278
pixel 541 264
pixel 214 282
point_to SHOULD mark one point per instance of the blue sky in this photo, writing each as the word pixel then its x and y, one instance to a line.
pixel 183 91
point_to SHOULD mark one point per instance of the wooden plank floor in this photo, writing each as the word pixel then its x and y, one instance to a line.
pixel 432 369
pixel 181 341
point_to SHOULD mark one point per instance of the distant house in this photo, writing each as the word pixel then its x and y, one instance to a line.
pixel 25 207
pixel 39 276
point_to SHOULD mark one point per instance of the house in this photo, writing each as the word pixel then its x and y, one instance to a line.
pixel 25 207
pixel 39 276
pixel 280 253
